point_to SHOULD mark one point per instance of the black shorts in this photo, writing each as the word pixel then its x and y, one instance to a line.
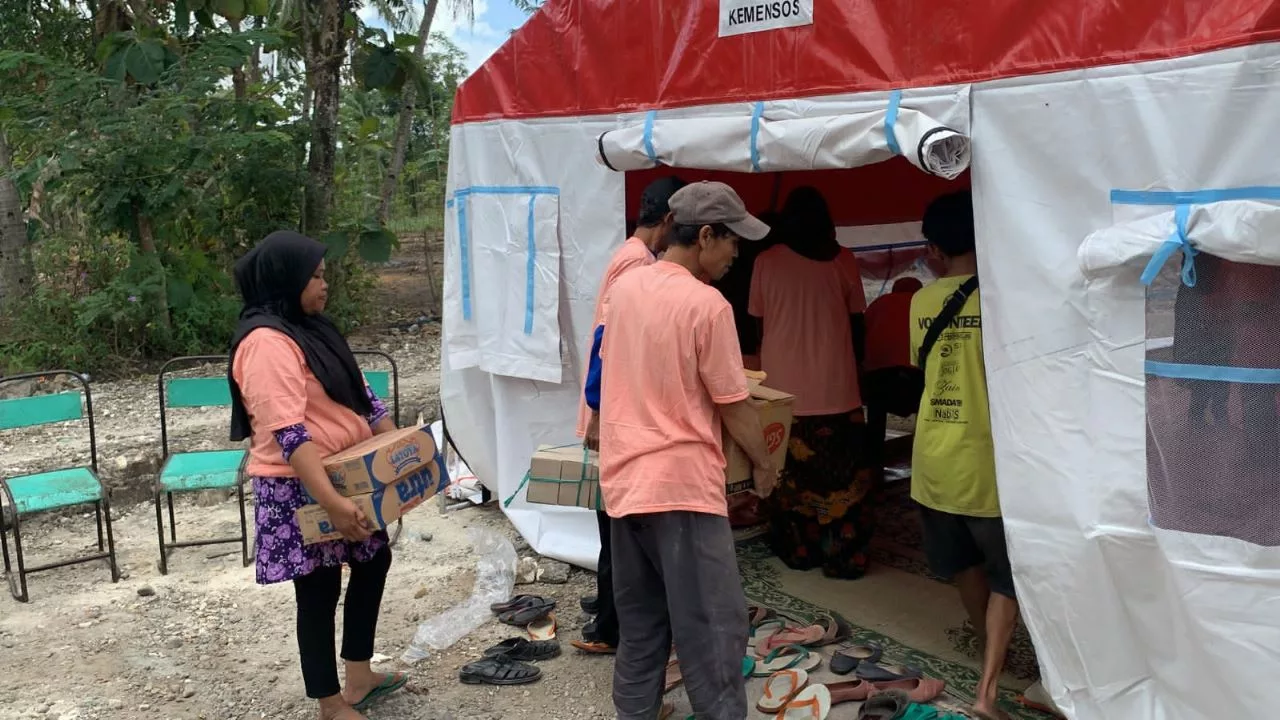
pixel 955 543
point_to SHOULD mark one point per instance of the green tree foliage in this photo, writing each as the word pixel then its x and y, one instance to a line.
pixel 153 150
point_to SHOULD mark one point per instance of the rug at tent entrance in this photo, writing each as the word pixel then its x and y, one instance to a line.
pixel 896 544
pixel 763 585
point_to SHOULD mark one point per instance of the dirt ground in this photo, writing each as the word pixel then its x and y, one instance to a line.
pixel 206 642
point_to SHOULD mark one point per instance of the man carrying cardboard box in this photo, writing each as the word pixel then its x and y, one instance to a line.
pixel 671 372
pixel 650 238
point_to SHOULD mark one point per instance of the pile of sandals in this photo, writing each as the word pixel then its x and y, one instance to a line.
pixel 786 653
pixel 510 661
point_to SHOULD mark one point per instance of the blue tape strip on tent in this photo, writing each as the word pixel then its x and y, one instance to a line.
pixel 529 271
pixel 464 239
pixel 1177 241
pixel 1219 373
pixel 1193 197
pixel 649 118
pixel 890 120
pixel 757 112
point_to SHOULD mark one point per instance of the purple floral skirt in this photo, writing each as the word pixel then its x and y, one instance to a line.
pixel 281 556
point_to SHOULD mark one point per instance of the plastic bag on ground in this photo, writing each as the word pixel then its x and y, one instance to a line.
pixel 495 579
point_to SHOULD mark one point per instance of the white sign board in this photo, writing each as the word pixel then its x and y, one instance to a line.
pixel 739 17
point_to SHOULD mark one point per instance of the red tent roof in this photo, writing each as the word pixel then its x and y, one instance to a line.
pixel 591 57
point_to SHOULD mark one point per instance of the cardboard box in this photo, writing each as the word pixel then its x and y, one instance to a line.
pixel 775 410
pixel 567 476
pixel 383 506
pixel 380 461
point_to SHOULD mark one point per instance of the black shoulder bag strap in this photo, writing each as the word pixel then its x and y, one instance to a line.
pixel 949 312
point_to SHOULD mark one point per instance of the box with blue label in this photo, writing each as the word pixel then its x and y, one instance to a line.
pixel 382 506
pixel 380 461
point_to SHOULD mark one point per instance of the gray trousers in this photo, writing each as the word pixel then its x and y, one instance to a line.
pixel 675 577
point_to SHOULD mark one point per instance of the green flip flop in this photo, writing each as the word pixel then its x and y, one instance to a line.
pixel 748 666
pixel 390 684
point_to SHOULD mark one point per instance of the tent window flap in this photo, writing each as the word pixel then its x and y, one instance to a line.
pixel 505 302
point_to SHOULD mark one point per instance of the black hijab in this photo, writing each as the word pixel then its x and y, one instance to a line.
pixel 271 278
pixel 808 228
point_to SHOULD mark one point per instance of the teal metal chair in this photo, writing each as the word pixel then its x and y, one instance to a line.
pixel 54 489
pixel 183 472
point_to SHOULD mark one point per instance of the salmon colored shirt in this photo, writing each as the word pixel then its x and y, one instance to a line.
pixel 279 390
pixel 807 348
pixel 670 356
pixel 633 254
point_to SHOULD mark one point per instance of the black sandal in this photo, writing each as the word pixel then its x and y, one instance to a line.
pixel 519 602
pixel 498 670
pixel 590 604
pixel 531 613
pixel 524 649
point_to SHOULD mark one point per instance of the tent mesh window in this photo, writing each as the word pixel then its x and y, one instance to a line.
pixel 1213 383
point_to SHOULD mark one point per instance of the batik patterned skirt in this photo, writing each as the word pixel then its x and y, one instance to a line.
pixel 279 551
pixel 821 514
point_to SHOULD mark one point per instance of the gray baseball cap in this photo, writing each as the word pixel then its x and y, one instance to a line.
pixel 709 203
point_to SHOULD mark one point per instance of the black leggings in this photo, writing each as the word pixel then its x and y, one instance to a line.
pixel 317 596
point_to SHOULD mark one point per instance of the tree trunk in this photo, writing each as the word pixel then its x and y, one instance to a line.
pixel 238 81
pixel 326 49
pixel 16 273
pixel 404 125
pixel 147 244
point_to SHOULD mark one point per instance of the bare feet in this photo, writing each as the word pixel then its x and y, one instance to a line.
pixel 335 708
pixel 988 710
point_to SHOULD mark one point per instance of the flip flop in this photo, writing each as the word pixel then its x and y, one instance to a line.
pixel 594 647
pixel 807 636
pixel 886 673
pixel 748 666
pixel 765 630
pixel 780 689
pixel 918 690
pixel 787 657
pixel 846 659
pixel 884 706
pixel 850 691
pixel 537 609
pixel 757 614
pixel 390 684
pixel 811 703
pixel 673 676
pixel 498 670
pixel 543 628
pixel 526 650
pixel 518 602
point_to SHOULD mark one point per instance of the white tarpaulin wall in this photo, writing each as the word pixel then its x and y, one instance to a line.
pixel 1130 622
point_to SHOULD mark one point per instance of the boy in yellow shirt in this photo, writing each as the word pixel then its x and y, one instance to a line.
pixel 953 461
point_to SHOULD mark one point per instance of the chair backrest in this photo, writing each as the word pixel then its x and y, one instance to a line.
pixel 197 392
pixel 190 392
pixel 379 381
pixel 41 410
pixel 65 406
pixel 386 385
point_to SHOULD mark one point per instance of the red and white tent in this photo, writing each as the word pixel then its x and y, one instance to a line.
pixel 1141 126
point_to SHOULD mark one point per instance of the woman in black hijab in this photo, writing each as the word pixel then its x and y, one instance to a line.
pixel 298 392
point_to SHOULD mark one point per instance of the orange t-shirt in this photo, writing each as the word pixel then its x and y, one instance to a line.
pixel 633 254
pixel 279 390
pixel 670 356
pixel 889 332
pixel 807 348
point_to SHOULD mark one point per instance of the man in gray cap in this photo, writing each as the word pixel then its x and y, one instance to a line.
pixel 670 373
